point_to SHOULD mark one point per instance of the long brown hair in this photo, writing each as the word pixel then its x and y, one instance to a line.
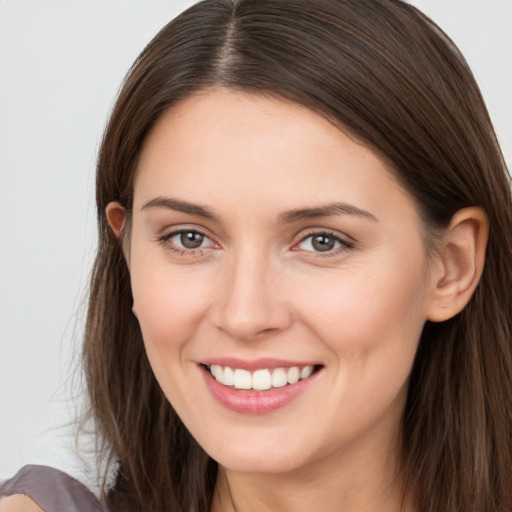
pixel 385 73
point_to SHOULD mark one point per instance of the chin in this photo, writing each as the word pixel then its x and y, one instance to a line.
pixel 255 458
pixel 259 464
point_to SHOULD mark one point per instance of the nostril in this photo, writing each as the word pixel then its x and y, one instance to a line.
pixel 267 331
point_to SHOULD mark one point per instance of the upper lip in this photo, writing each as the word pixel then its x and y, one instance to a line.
pixel 255 364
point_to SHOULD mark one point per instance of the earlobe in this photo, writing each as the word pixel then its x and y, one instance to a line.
pixel 461 260
pixel 116 215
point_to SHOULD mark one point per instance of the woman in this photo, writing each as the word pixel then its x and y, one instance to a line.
pixel 289 308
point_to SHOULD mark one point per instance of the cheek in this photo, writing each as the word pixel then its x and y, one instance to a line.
pixel 370 317
pixel 169 304
pixel 371 324
pixel 365 304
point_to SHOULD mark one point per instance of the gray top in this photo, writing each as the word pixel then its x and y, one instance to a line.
pixel 52 490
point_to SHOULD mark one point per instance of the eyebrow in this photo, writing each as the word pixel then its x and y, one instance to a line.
pixel 328 210
pixel 287 217
pixel 180 206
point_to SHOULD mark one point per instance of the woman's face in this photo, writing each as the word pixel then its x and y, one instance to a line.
pixel 268 246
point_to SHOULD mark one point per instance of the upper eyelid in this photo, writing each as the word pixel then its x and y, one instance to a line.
pixel 346 242
pixel 342 237
pixel 299 237
pixel 165 241
pixel 172 234
pixel 171 231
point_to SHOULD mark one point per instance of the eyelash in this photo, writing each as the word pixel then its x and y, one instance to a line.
pixel 343 243
pixel 166 240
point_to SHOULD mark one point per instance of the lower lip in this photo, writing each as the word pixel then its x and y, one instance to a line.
pixel 255 402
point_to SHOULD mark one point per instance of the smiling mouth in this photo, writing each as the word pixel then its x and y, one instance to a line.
pixel 262 379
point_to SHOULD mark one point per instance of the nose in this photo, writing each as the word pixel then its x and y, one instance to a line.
pixel 251 302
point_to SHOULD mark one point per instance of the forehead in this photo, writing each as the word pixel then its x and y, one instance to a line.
pixel 225 147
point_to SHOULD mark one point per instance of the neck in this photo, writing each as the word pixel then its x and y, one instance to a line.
pixel 351 481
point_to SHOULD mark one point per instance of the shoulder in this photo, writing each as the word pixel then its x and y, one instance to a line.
pixel 18 503
pixel 36 488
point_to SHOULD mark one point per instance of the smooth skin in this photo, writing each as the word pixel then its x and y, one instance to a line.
pixel 259 176
pixel 260 230
pixel 19 503
pixel 264 174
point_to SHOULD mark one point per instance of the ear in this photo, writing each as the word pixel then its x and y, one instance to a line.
pixel 116 215
pixel 460 263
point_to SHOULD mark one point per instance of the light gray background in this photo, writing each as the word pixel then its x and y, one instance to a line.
pixel 61 63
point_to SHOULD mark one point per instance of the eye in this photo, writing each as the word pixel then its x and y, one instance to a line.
pixel 322 242
pixel 186 240
pixel 189 239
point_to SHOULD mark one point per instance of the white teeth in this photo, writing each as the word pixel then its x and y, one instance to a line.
pixel 260 380
pixel 279 378
pixel 242 379
pixel 228 378
pixel 293 375
pixel 306 372
pixel 217 372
